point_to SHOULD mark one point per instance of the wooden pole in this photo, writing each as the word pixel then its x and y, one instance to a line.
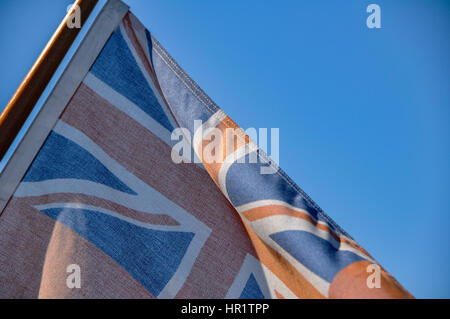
pixel 24 99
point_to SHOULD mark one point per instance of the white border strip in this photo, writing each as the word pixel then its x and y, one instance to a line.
pixel 103 20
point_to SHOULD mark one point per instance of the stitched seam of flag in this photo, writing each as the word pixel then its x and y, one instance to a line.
pixel 213 107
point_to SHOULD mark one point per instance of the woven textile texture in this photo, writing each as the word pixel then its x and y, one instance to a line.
pixel 104 193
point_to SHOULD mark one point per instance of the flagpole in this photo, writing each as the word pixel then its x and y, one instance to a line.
pixel 22 102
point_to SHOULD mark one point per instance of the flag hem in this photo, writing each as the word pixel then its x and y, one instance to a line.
pixel 97 33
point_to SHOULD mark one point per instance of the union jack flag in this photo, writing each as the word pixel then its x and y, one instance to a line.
pixel 104 193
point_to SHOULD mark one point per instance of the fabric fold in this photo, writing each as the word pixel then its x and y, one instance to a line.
pixel 110 191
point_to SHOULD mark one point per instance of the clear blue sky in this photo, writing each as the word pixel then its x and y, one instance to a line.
pixel 363 114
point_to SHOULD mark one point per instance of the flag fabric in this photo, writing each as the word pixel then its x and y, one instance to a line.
pixel 104 193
